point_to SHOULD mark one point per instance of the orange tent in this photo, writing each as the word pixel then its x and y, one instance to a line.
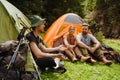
pixel 61 26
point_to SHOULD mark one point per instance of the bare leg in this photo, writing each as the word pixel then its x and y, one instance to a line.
pixel 79 55
pixel 99 54
pixel 105 60
pixel 73 58
pixel 72 51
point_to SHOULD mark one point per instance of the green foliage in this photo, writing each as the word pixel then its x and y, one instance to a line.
pixel 93 25
pixel 106 11
pixel 60 7
pixel 89 6
pixel 52 10
pixel 28 6
pixel 99 35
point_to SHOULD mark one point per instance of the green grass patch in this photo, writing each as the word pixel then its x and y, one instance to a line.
pixel 85 71
pixel 115 44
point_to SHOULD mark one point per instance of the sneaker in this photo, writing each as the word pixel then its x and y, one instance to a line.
pixel 61 69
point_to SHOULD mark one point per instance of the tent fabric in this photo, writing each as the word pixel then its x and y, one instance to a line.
pixel 30 65
pixel 61 26
pixel 73 19
pixel 7 32
pixel 11 21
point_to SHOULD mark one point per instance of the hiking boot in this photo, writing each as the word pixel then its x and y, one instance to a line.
pixel 83 59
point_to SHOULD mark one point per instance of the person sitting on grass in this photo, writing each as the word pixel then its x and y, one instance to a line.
pixel 69 41
pixel 44 57
pixel 89 44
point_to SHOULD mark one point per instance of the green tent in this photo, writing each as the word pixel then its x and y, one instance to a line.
pixel 11 21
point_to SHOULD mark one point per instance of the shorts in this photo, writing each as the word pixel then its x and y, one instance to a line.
pixel 98 53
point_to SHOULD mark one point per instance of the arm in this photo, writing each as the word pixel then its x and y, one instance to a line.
pixel 96 42
pixel 80 43
pixel 39 54
pixel 65 41
pixel 75 43
pixel 44 49
pixel 69 47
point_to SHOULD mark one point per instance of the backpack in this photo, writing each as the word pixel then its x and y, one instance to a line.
pixel 6 53
pixel 110 54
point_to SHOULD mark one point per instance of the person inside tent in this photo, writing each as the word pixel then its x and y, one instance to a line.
pixel 43 55
pixel 89 44
pixel 69 41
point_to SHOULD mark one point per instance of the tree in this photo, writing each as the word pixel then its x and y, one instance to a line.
pixel 108 16
pixel 51 10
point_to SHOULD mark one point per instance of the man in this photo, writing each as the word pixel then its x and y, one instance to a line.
pixel 42 55
pixel 70 42
pixel 90 44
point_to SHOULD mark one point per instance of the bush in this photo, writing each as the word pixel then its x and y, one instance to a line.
pixel 99 35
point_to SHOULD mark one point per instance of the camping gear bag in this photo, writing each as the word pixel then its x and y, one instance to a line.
pixel 7 50
pixel 6 53
pixel 13 74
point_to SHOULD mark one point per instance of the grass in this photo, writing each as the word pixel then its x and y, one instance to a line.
pixel 85 71
pixel 115 44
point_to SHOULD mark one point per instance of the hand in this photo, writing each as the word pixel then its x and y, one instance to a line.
pixel 61 56
pixel 61 48
pixel 71 46
pixel 88 48
pixel 92 50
